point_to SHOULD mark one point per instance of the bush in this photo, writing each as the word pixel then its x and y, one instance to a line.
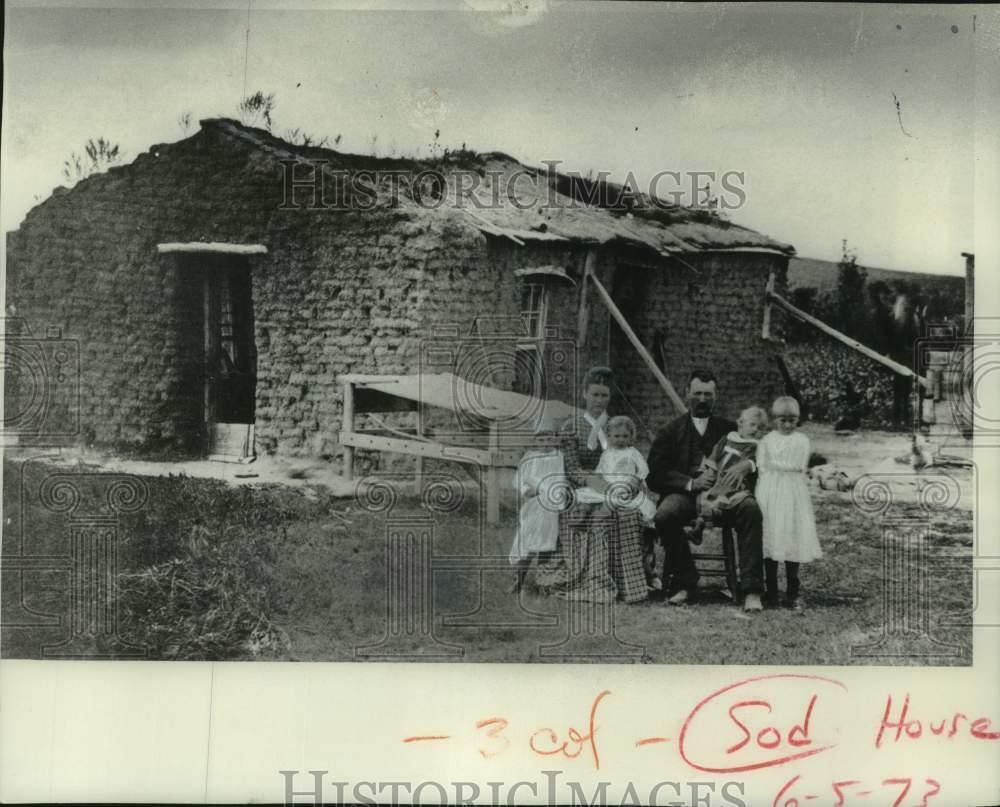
pixel 835 380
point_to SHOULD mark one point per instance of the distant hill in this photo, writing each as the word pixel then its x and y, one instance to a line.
pixel 822 275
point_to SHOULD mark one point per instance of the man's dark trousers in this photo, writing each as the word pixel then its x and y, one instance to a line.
pixel 677 509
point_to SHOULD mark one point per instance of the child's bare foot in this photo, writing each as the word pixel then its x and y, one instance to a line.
pixel 517 581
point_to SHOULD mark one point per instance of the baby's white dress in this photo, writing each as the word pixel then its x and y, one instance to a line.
pixel 783 495
pixel 621 465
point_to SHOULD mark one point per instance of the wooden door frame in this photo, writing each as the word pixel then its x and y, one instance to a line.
pixel 204 249
pixel 209 323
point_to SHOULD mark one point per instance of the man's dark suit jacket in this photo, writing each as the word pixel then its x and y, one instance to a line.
pixel 678 450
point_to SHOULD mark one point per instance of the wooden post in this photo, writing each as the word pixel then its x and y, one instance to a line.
pixel 970 291
pixel 765 331
pixel 664 382
pixel 348 407
pixel 251 442
pixel 583 317
pixel 207 318
pixel 852 343
pixel 211 360
pixel 418 481
pixel 493 478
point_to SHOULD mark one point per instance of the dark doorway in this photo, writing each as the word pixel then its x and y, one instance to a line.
pixel 230 356
pixel 229 343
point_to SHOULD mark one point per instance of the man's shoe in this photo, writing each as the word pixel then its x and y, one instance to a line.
pixel 680 598
pixel 752 603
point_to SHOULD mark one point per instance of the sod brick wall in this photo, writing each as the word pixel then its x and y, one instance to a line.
pixel 360 291
pixel 710 319
pixel 338 291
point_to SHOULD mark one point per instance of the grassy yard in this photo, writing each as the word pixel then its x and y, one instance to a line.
pixel 336 608
pixel 209 571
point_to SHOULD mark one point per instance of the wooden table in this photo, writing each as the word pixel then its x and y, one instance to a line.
pixel 512 419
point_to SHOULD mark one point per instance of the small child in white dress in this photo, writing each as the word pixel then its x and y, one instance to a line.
pixel 541 485
pixel 783 496
pixel 624 469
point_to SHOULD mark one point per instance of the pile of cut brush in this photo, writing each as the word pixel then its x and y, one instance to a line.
pixel 214 601
pixel 201 564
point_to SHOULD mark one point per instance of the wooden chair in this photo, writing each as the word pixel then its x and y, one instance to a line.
pixel 714 564
pixel 720 564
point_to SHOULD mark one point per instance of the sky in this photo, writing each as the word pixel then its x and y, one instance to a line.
pixel 850 122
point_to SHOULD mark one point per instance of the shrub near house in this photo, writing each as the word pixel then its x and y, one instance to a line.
pixel 835 380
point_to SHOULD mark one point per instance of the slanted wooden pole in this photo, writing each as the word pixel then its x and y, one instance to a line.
pixel 664 382
pixel 851 343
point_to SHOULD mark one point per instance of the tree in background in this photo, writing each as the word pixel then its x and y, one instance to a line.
pixel 850 300
pixel 98 155
pixel 881 297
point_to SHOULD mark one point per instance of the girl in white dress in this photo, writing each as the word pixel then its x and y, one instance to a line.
pixel 540 482
pixel 783 496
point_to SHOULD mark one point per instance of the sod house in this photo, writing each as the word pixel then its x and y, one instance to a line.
pixel 231 278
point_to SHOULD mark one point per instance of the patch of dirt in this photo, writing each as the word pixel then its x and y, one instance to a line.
pixel 263 471
pixel 873 454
